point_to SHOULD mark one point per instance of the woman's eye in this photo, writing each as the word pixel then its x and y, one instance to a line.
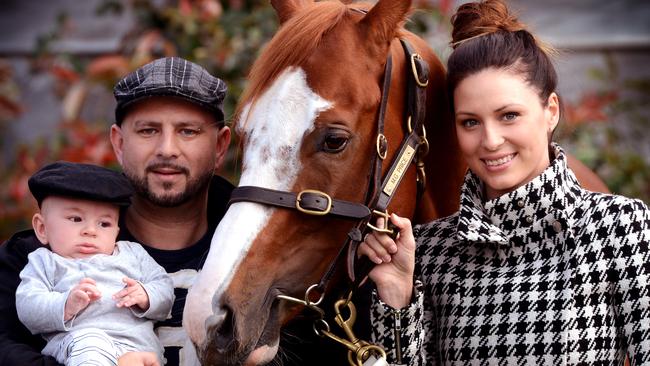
pixel 510 116
pixel 468 123
pixel 335 143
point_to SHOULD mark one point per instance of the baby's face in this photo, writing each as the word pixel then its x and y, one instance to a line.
pixel 77 228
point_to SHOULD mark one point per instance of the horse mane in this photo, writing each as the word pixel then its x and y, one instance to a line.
pixel 294 42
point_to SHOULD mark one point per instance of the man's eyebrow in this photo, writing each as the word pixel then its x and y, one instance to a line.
pixel 145 122
pixel 190 122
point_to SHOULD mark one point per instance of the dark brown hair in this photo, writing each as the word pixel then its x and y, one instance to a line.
pixel 487 35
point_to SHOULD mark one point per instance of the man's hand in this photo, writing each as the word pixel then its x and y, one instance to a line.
pixel 132 294
pixel 395 262
pixel 80 297
pixel 138 359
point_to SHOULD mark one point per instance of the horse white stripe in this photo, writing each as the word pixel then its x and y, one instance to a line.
pixel 274 129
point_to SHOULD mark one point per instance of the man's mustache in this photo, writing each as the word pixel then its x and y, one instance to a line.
pixel 157 166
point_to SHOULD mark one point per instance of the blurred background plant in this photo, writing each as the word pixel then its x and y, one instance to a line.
pixel 226 36
pixel 607 128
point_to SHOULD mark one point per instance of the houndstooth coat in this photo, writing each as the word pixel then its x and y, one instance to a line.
pixel 549 274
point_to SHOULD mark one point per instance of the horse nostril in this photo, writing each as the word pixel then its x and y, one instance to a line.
pixel 224 334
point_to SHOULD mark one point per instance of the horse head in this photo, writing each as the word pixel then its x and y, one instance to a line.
pixel 307 121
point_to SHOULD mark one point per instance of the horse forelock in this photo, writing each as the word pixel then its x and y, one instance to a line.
pixel 292 45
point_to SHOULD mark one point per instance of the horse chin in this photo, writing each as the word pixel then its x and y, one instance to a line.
pixel 262 355
pixel 238 353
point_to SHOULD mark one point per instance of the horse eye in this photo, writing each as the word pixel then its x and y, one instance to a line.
pixel 334 143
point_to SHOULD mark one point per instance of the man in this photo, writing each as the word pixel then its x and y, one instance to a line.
pixel 169 137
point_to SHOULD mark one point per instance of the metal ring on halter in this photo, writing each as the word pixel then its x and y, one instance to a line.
pixel 309 302
pixel 408 125
pixel 382 142
pixel 320 332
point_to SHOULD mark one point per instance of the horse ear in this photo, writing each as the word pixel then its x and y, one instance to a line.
pixel 385 17
pixel 287 8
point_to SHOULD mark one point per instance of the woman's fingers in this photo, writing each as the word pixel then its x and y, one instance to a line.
pixel 365 249
pixel 404 226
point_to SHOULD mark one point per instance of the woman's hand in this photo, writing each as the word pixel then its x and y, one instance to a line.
pixel 395 262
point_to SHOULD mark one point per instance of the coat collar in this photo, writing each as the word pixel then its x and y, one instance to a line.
pixel 534 212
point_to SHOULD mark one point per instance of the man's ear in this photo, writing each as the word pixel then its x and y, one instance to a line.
pixel 117 141
pixel 38 224
pixel 223 142
pixel 553 112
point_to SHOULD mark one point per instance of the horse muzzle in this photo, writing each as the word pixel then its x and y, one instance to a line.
pixel 225 346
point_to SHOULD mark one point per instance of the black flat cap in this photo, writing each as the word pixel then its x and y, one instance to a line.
pixel 85 181
pixel 174 77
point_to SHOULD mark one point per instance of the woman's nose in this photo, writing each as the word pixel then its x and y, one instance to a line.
pixel 492 137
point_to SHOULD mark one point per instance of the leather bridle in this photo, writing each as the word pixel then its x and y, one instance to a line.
pixel 379 191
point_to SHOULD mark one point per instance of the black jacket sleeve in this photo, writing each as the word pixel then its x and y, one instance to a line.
pixel 17 345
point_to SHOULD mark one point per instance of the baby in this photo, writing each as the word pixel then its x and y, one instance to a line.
pixel 91 298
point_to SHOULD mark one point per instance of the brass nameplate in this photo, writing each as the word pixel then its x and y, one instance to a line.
pixel 399 171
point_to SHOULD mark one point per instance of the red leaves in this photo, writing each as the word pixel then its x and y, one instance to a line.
pixel 590 108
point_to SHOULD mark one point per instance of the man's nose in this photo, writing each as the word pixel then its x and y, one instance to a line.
pixel 168 145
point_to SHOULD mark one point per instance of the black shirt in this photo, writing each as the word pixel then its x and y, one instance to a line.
pixel 183 265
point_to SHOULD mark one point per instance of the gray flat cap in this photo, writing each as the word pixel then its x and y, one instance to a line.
pixel 171 76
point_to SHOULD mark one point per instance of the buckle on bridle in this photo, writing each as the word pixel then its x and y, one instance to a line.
pixel 422 84
pixel 314 211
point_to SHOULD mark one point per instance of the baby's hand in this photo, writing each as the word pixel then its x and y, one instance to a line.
pixel 80 297
pixel 138 359
pixel 132 294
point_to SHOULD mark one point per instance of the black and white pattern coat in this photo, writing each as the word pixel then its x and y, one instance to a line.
pixel 549 274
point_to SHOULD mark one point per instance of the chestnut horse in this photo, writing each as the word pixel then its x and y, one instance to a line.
pixel 308 121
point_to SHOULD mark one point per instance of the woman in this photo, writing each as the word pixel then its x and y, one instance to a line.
pixel 532 269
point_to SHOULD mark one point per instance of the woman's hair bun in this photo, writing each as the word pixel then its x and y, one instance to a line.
pixel 479 18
